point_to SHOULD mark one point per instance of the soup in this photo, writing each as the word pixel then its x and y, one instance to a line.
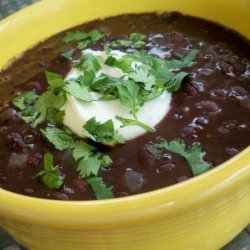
pixel 123 106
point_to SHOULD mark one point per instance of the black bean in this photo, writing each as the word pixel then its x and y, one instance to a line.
pixel 189 132
pixel 200 120
pixel 238 92
pixel 15 141
pixel 35 159
pixel 34 86
pixel 208 106
pixel 190 89
pixel 219 93
pixel 121 194
pixel 146 158
pixel 181 179
pixel 245 104
pixel 29 191
pixel 167 167
pixel 80 184
pixel 132 180
pixel 8 116
pixel 17 160
pixel 118 162
pixel 225 67
pixel 59 196
pixel 231 151
pixel 231 68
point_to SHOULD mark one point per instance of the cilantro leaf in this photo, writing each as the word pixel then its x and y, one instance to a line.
pixel 95 35
pixel 75 36
pixel 130 122
pixel 25 103
pixel 49 175
pixel 100 189
pixel 24 100
pixel 81 92
pixel 68 54
pixel 81 149
pixel 47 100
pixel 89 166
pixel 59 138
pixel 129 95
pixel 87 77
pixel 175 82
pixel 193 154
pixel 83 44
pixel 142 75
pixel 55 116
pixel 53 79
pixel 184 62
pixel 83 39
pixel 88 62
pixel 135 40
pixel 103 133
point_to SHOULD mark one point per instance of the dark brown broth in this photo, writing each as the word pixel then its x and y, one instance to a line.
pixel 213 108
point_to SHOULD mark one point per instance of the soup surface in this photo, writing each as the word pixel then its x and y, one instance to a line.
pixel 211 110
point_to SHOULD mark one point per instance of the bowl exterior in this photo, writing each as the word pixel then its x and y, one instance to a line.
pixel 203 213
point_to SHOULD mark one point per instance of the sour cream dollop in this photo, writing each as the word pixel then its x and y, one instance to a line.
pixel 77 112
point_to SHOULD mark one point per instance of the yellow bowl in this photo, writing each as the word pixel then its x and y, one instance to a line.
pixel 203 213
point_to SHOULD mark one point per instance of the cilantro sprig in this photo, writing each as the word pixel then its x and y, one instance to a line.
pixel 49 175
pixel 128 122
pixel 100 189
pixel 83 39
pixel 102 132
pixel 89 160
pixel 136 40
pixel 193 155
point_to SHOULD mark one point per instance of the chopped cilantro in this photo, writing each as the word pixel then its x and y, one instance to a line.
pixel 142 75
pixel 55 80
pixel 24 100
pixel 81 92
pixel 83 39
pixel 88 62
pixel 59 138
pixel 25 103
pixel 129 95
pixel 130 122
pixel 103 133
pixel 49 175
pixel 55 116
pixel 136 40
pixel 193 154
pixel 81 149
pixel 89 160
pixel 68 54
pixel 89 166
pixel 174 83
pixel 47 100
pixel 99 187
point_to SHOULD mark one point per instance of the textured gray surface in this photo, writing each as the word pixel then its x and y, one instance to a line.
pixel 7 7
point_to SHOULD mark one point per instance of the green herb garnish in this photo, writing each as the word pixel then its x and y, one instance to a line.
pixel 89 160
pixel 193 154
pixel 103 133
pixel 25 103
pixel 79 91
pixel 49 175
pixel 128 122
pixel 99 187
pixel 83 39
pixel 136 40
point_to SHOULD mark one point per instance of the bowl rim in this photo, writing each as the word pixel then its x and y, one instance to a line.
pixel 174 198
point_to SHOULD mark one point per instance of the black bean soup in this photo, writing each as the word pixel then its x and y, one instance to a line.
pixel 211 108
